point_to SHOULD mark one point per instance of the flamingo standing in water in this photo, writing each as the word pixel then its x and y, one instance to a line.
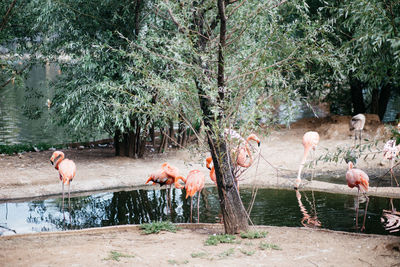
pixel 310 141
pixel 66 169
pixel 194 183
pixel 168 175
pixel 358 178
pixel 212 169
pixel 357 123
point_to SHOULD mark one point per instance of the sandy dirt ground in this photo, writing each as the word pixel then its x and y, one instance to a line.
pixel 30 175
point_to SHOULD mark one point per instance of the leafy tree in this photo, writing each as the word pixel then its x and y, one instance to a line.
pixel 367 34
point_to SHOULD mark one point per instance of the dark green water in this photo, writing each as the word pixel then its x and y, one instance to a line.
pixel 271 207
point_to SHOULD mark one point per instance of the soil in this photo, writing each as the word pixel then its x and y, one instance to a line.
pixel 29 175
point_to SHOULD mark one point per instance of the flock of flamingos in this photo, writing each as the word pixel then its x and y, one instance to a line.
pixel 242 155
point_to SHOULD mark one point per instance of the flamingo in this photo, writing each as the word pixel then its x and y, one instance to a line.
pixel 390 152
pixel 244 151
pixel 357 123
pixel 194 183
pixel 168 175
pixel 212 170
pixel 358 178
pixel 310 141
pixel 66 169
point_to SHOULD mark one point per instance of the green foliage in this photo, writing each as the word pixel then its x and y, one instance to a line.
pixel 156 227
pixel 19 148
pixel 253 234
pixel 351 153
pixel 214 240
pixel 115 255
pixel 264 246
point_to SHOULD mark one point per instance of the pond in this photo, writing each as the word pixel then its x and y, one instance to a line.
pixel 24 115
pixel 271 207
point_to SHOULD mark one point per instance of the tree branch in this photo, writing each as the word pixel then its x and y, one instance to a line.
pixel 5 18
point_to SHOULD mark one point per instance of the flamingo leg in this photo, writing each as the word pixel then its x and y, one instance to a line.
pixel 312 164
pixel 392 173
pixel 191 207
pixel 198 207
pixel 63 199
pixel 358 204
pixel 69 196
pixel 365 214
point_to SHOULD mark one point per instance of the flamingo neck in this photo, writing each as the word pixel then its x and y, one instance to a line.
pixel 60 158
pixel 303 161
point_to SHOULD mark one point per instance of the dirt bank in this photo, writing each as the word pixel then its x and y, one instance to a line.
pixel 294 247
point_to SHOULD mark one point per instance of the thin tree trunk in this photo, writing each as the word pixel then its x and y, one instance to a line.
pixel 384 100
pixel 357 98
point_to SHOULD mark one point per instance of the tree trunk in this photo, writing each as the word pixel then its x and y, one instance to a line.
pixel 384 100
pixel 357 98
pixel 233 211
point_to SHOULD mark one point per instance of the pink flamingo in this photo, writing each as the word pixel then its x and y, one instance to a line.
pixel 390 152
pixel 357 123
pixel 310 141
pixel 358 178
pixel 212 169
pixel 243 152
pixel 66 169
pixel 168 175
pixel 194 183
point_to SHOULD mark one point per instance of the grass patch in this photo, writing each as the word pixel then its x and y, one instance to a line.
pixel 175 262
pixel 156 227
pixel 253 234
pixel 264 246
pixel 200 255
pixel 115 256
pixel 248 252
pixel 227 253
pixel 214 240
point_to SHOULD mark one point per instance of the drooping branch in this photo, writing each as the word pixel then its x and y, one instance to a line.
pixel 5 18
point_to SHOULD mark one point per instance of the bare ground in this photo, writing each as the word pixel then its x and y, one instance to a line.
pixel 30 175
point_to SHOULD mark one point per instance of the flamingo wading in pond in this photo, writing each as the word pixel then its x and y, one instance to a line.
pixel 168 175
pixel 358 178
pixel 194 183
pixel 310 141
pixel 66 169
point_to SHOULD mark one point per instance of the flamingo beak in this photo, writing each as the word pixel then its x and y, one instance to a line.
pixel 259 143
pixel 52 163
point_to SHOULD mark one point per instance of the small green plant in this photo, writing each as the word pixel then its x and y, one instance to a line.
pixel 175 262
pixel 264 246
pixel 227 253
pixel 156 227
pixel 115 255
pixel 214 240
pixel 200 255
pixel 248 252
pixel 253 234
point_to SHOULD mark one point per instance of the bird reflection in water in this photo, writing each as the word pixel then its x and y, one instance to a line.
pixel 391 219
pixel 308 220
